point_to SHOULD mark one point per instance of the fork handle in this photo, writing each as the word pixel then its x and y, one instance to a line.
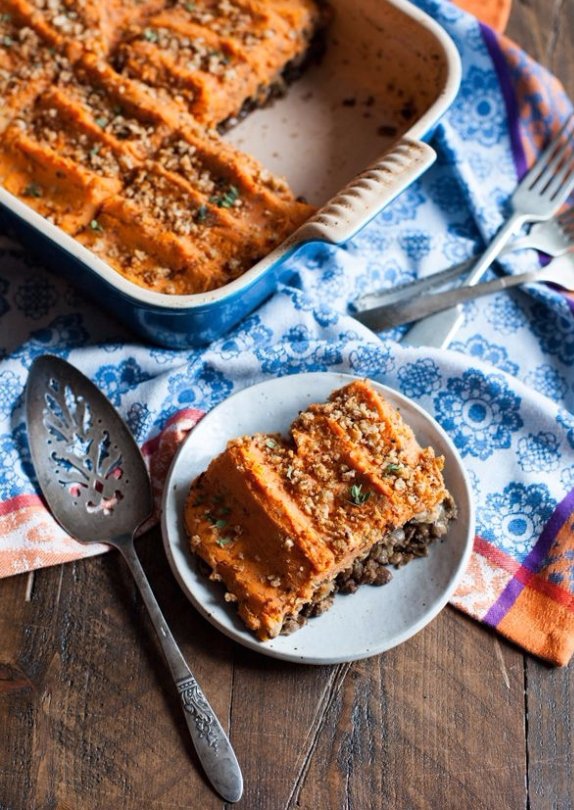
pixel 210 740
pixel 438 329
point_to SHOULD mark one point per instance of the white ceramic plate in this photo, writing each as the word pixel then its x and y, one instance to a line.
pixel 372 620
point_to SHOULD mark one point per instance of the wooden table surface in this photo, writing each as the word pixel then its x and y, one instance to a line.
pixel 455 718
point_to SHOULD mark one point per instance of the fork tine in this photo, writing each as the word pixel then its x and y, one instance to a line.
pixel 541 163
pixel 561 154
pixel 560 186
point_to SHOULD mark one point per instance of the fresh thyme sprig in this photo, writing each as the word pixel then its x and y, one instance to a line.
pixel 357 496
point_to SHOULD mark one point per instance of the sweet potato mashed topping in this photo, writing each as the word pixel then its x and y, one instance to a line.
pixel 108 128
pixel 284 523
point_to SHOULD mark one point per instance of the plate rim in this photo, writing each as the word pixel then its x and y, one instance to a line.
pixel 250 641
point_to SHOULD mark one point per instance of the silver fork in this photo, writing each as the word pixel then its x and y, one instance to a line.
pixel 537 197
pixel 560 271
pixel 553 237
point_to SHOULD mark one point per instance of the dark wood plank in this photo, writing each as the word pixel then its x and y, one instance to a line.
pixel 85 733
pixel 436 723
pixel 544 28
pixel 88 711
pixel 550 723
pixel 277 714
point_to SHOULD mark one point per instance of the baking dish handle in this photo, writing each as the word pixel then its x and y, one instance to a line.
pixel 367 194
pixel 358 202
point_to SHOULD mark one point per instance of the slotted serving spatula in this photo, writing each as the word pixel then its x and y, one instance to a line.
pixel 96 484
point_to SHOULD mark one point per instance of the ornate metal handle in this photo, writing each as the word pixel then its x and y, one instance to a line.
pixel 210 740
pixel 201 713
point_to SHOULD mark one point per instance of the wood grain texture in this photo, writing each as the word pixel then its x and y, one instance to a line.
pixel 92 720
pixel 91 716
pixel 550 724
pixel 436 723
pixel 544 29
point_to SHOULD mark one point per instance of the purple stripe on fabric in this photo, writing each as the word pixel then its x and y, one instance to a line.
pixel 557 519
pixel 506 86
pixel 504 602
pixel 533 561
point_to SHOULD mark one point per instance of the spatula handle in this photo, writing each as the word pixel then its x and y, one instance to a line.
pixel 210 740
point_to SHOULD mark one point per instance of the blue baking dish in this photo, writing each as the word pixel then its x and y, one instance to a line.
pixel 349 136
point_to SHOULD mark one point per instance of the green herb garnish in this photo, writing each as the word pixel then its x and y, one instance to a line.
pixel 225 58
pixel 227 198
pixel 224 541
pixel 357 496
pixel 201 214
pixel 270 443
pixel 102 122
pixel 218 523
pixel 32 190
pixel 150 35
pixel 393 468
pixel 95 226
